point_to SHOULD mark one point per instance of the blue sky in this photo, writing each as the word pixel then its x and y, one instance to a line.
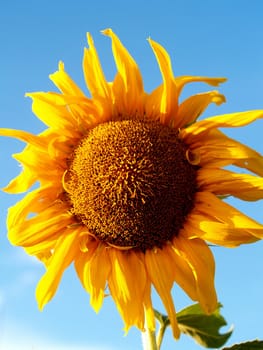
pixel 203 38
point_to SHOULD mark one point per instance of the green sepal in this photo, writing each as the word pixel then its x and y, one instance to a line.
pixel 202 327
pixel 250 345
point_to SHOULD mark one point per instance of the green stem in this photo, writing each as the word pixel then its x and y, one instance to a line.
pixel 160 335
pixel 149 340
pixel 164 323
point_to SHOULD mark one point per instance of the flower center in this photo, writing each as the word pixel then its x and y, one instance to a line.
pixel 130 183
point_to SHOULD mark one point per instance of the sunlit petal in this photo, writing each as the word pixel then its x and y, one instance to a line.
pixel 161 273
pixel 201 261
pixel 224 182
pixel 183 80
pixel 169 96
pixel 191 108
pixel 65 251
pixel 132 93
pixel 127 283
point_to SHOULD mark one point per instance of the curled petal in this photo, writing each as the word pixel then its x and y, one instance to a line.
pixel 215 149
pixel 50 223
pixel 169 96
pixel 224 182
pixel 218 222
pixel 202 127
pixel 183 80
pixel 191 108
pixel 35 169
pixel 35 201
pixel 21 183
pixel 24 136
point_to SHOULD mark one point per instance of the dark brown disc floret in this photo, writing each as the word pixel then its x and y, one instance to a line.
pixel 130 184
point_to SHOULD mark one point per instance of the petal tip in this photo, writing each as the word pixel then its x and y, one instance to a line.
pixel 107 31
pixel 89 39
pixel 61 66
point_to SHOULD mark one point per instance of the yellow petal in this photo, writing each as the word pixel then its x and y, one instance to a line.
pixel 200 258
pixel 217 150
pixel 153 103
pixel 169 97
pixel 148 307
pixel 132 93
pixel 21 183
pixel 160 270
pixel 183 80
pixel 222 224
pixel 64 253
pixel 224 182
pixel 24 136
pixel 82 261
pixel 191 108
pixel 51 113
pixel 64 83
pixel 202 226
pixel 43 250
pixel 83 111
pixel 34 156
pixel 35 201
pixel 127 282
pixel 41 227
pixel 198 129
pixel 93 72
pixel 121 106
pixel 183 274
pixel 60 148
pixel 93 267
pixel 98 272
pixel 213 206
pixel 36 161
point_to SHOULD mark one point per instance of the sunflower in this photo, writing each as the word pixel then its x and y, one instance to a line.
pixel 131 186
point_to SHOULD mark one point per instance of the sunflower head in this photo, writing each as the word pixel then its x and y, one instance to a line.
pixel 130 183
pixel 131 186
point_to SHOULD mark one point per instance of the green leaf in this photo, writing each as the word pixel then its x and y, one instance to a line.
pixel 203 328
pixel 250 345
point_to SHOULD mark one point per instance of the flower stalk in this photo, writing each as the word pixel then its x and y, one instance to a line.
pixel 149 340
pixel 160 335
